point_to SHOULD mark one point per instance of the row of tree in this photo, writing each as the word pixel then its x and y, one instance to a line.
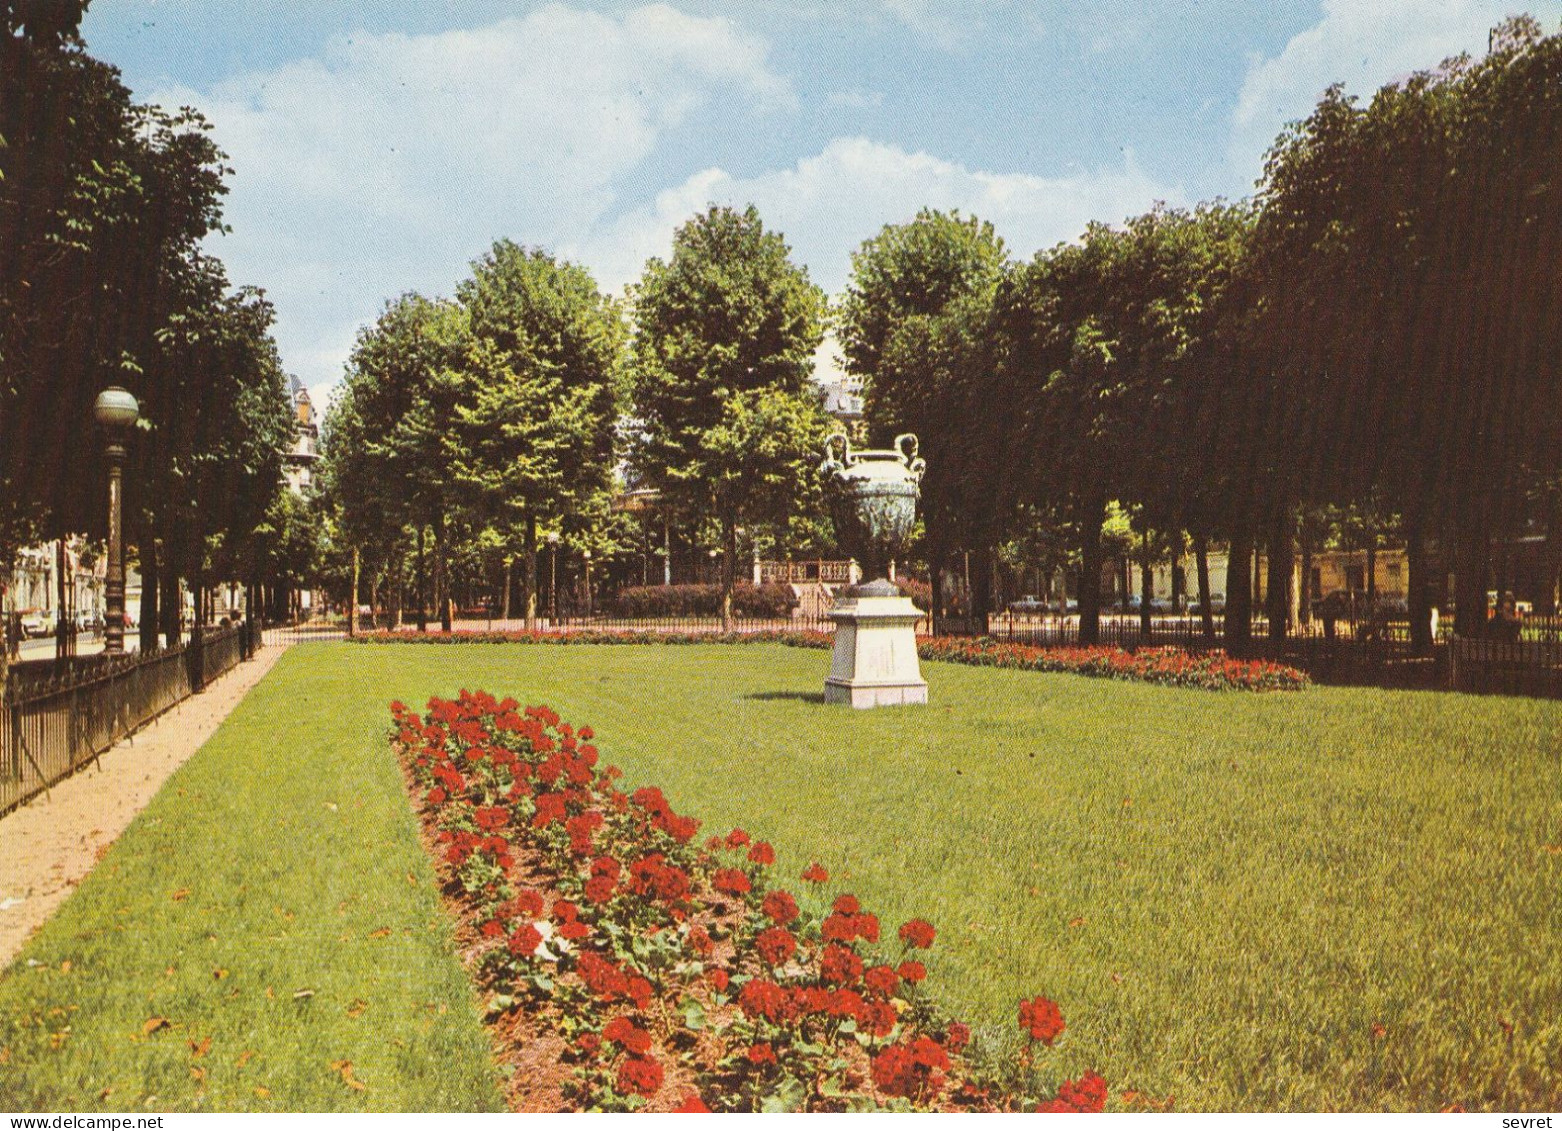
pixel 1378 331
pixel 1371 340
pixel 104 207
pixel 504 413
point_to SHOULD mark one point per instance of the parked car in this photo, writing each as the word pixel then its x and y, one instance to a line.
pixel 36 623
pixel 89 622
pixel 1029 606
pixel 1157 604
pixel 1217 604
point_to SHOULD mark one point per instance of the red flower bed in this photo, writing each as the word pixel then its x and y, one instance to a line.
pixel 1210 671
pixel 652 969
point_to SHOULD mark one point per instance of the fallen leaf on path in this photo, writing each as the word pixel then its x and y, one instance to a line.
pixel 411 879
pixel 181 895
pixel 357 1007
pixel 197 1072
pixel 1379 1031
pixel 219 974
pixel 244 1058
pixel 105 1093
pixel 379 934
pixel 65 967
pixel 263 1093
pixel 1077 921
pixel 200 1048
pixel 153 1024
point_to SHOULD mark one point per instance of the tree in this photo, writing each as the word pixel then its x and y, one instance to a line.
pixel 537 399
pixel 390 457
pixel 725 335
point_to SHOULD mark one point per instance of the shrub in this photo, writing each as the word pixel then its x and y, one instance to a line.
pixel 757 602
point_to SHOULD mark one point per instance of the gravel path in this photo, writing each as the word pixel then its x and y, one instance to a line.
pixel 49 845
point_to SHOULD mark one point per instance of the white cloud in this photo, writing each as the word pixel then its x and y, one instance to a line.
pixel 953 25
pixel 827 204
pixel 392 160
pixel 855 99
pixel 1364 44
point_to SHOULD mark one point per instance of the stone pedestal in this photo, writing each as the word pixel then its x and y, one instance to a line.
pixel 875 659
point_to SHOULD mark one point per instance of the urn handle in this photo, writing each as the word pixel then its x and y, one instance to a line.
pixel 906 444
pixel 833 464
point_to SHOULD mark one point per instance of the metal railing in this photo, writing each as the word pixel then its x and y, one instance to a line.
pixel 1523 667
pixel 51 728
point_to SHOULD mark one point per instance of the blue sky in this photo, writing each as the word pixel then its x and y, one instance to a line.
pixel 379 147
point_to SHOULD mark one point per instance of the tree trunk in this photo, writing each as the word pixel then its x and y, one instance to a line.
pixel 729 539
pixel 442 577
pixel 504 597
pixel 1304 604
pixel 531 573
pixel 1372 570
pixel 352 597
pixel 1179 586
pixel 1201 567
pixel 982 588
pixel 170 606
pixel 150 581
pixel 422 580
pixel 1146 587
pixel 1470 566
pixel 936 585
pixel 1090 562
pixel 1418 598
pixel 197 652
pixel 1550 559
pixel 1281 563
pixel 1239 595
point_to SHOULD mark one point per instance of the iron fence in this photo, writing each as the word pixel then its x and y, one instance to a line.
pixel 1523 667
pixel 49 728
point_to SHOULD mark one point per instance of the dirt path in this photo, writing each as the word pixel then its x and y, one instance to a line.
pixel 49 845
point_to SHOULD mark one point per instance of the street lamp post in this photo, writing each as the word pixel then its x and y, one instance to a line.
pixel 116 412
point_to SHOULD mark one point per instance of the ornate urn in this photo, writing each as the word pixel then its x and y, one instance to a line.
pixel 873 498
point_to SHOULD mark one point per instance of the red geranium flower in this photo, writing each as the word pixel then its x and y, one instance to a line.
pixel 761 1053
pixel 776 945
pixel 1087 1094
pixel 882 980
pixel 525 940
pixel 917 933
pixel 639 1075
pixel 846 905
pixel 1042 1018
pixel 737 838
pixel 719 979
pixel 815 874
pixel 733 881
pixel 957 1036
pixel 624 1032
pixel 691 1103
pixel 762 854
pixel 780 907
pixel 912 971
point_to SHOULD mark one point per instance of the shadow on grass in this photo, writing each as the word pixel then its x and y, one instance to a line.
pixel 796 696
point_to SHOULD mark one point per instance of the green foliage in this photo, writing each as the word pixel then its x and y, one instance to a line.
pixel 537 399
pixel 725 333
pixel 912 269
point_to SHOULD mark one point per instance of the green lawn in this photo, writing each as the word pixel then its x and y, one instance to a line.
pixel 274 907
pixel 1339 898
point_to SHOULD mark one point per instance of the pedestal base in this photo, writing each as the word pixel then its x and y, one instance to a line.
pixel 875 663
